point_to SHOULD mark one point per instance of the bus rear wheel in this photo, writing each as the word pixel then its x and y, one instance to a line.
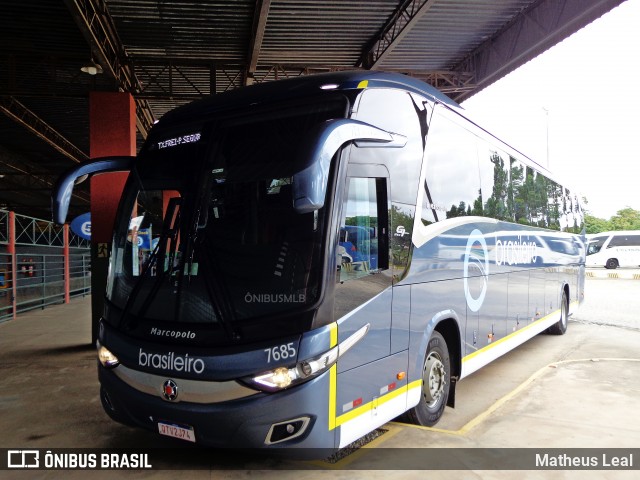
pixel 560 327
pixel 435 384
pixel 612 263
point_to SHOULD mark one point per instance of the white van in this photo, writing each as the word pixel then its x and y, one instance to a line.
pixel 614 249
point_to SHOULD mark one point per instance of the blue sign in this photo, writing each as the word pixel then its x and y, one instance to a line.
pixel 144 238
pixel 81 226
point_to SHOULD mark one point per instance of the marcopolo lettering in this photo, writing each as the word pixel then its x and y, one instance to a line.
pixel 171 361
pixel 172 333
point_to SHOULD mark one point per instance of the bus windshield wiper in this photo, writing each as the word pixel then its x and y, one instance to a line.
pixel 158 257
pixel 219 298
pixel 215 290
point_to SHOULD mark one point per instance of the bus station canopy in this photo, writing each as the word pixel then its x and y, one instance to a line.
pixel 167 53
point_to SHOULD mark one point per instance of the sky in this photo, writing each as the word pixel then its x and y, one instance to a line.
pixel 585 93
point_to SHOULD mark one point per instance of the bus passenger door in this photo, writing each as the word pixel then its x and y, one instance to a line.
pixel 368 389
pixel 363 289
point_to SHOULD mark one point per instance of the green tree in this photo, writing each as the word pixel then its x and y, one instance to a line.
pixel 595 224
pixel 496 205
pixel 626 219
pixel 515 204
pixel 477 205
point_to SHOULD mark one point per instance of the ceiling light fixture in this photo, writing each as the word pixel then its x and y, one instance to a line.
pixel 91 68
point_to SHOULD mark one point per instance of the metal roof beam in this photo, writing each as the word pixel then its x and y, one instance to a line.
pixel 535 30
pixel 25 117
pixel 449 83
pixel 98 28
pixel 48 75
pixel 398 26
pixel 16 170
pixel 257 35
pixel 155 70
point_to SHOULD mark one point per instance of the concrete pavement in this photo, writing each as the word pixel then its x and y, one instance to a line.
pixel 580 390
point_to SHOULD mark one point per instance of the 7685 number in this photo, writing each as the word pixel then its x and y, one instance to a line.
pixel 281 352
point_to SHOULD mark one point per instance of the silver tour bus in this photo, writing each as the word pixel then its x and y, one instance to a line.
pixel 322 255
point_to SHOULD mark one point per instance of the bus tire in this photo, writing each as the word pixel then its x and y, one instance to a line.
pixel 560 327
pixel 612 264
pixel 436 374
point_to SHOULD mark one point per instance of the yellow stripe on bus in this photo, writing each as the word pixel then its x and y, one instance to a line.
pixel 336 421
pixel 333 378
pixel 511 335
pixel 367 407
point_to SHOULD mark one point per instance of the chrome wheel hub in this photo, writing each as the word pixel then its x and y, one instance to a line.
pixel 433 380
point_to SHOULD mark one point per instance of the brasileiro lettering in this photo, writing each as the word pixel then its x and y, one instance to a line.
pixel 515 252
pixel 171 361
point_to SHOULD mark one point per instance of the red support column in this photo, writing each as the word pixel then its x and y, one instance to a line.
pixel 65 254
pixel 11 249
pixel 112 132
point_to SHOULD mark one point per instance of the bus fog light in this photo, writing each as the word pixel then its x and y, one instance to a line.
pixel 106 358
pixel 283 431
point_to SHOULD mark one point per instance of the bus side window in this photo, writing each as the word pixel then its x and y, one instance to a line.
pixel 450 191
pixel 363 237
pixel 494 168
pixel 554 204
pixel 394 111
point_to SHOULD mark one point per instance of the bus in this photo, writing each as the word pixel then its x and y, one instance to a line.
pixel 614 249
pixel 326 253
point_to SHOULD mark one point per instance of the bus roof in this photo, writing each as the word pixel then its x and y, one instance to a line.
pixel 300 87
pixel 614 232
pixel 309 85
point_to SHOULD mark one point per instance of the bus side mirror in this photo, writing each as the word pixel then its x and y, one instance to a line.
pixel 62 190
pixel 310 183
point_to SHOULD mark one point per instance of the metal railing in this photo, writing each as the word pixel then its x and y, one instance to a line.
pixel 40 280
pixel 6 286
pixel 35 273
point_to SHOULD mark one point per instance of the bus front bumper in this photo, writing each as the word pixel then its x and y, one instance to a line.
pixel 293 418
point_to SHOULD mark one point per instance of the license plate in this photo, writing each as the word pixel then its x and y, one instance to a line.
pixel 183 432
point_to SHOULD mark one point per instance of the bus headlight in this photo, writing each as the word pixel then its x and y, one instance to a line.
pixel 106 358
pixel 284 377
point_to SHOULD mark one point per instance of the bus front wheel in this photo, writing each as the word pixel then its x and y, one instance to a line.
pixel 436 375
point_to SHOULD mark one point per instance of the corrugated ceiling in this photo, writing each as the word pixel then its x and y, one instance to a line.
pixel 182 50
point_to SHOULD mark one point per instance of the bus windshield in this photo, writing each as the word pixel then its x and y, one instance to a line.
pixel 595 245
pixel 213 238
